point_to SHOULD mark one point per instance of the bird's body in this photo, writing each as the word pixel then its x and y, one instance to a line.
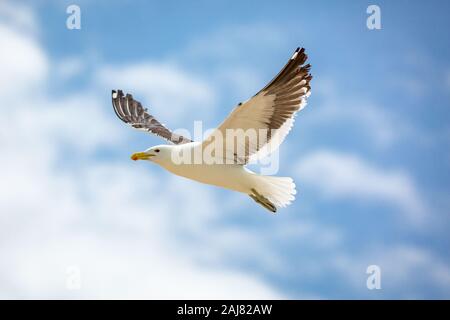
pixel 258 125
pixel 235 177
pixel 229 176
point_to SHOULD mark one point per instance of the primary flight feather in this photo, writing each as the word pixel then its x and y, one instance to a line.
pixel 252 130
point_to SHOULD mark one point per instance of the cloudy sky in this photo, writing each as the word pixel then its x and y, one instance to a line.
pixel 370 154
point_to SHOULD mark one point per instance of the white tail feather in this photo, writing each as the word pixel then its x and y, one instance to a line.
pixel 279 190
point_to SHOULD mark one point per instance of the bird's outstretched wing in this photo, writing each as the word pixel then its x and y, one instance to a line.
pixel 272 109
pixel 131 112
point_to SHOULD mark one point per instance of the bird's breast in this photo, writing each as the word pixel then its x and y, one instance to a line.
pixel 230 176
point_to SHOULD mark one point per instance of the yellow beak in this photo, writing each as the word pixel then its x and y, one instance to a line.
pixel 141 156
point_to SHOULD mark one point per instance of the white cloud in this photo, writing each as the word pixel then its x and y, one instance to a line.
pixel 341 175
pixel 18 16
pixel 104 221
pixel 122 225
pixel 23 63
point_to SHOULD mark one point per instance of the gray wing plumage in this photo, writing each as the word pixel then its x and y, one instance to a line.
pixel 133 113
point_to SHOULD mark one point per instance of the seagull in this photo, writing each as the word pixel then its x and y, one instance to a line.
pixel 270 111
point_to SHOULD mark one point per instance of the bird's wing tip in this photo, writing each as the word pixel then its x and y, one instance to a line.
pixel 297 52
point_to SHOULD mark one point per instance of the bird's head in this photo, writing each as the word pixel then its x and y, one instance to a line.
pixel 155 154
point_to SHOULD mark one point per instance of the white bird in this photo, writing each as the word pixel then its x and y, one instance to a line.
pixel 270 111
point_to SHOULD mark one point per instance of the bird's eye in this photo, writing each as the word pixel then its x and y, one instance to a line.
pixel 156 150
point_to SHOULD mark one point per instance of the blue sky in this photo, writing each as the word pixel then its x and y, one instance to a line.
pixel 369 154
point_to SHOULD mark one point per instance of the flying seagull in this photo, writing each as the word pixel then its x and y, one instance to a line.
pixel 270 111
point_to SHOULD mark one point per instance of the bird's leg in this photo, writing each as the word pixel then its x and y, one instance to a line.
pixel 259 198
